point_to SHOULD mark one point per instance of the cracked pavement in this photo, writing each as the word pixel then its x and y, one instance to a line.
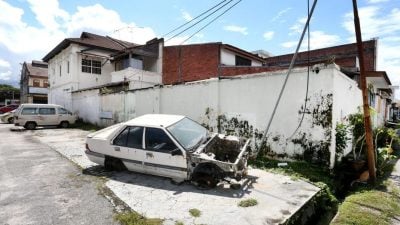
pixel 278 196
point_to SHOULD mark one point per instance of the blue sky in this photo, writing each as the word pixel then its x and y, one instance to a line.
pixel 31 28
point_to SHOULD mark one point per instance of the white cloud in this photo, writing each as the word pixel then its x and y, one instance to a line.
pixel 318 39
pixel 48 12
pixel 280 14
pixel 374 22
pixel 298 26
pixel 238 29
pixel 186 16
pixel 268 35
pixel 289 44
pixel 4 64
pixel 5 75
pixel 376 1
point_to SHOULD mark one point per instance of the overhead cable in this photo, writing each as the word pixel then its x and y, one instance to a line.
pixel 211 21
pixel 216 10
pixel 308 76
pixel 288 74
pixel 193 19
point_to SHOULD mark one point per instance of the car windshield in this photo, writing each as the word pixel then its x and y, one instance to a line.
pixel 188 133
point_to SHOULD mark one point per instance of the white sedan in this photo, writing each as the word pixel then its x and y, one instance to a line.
pixel 171 146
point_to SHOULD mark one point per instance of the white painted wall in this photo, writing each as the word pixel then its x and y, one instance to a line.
pixel 137 78
pixel 249 98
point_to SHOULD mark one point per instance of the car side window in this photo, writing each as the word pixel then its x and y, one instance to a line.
pixel 135 137
pixel 28 111
pixel 47 111
pixel 158 140
pixel 121 139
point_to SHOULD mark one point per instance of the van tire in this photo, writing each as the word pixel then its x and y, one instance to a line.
pixel 64 124
pixel 30 125
pixel 11 120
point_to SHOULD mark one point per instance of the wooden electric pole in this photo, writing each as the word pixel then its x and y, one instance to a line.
pixel 363 83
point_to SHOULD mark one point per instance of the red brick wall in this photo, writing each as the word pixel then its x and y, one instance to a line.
pixel 240 70
pixel 345 56
pixel 197 62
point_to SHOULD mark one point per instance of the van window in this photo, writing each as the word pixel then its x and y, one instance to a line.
pixel 63 111
pixel 28 111
pixel 47 111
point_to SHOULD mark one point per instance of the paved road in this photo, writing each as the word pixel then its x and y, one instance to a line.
pixel 38 186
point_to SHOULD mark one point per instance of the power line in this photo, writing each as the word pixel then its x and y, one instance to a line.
pixel 193 19
pixel 308 75
pixel 288 73
pixel 211 21
pixel 219 8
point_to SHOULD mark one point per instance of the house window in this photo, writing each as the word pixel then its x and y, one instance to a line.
pixel 67 66
pixel 91 66
pixel 36 83
pixel 45 83
pixel 60 70
pixel 240 61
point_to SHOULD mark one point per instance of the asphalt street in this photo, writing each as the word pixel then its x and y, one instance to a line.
pixel 39 186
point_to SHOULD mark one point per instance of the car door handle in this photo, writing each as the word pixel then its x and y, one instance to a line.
pixel 149 155
pixel 117 149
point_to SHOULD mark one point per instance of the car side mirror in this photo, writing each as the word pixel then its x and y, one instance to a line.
pixel 176 151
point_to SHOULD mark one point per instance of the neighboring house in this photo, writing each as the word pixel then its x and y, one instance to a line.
pixel 193 62
pixel 94 61
pixel 34 82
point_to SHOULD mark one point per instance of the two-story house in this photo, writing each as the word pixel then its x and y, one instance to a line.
pixel 34 82
pixel 95 61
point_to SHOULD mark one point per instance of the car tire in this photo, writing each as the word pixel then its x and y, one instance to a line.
pixel 30 126
pixel 205 181
pixel 113 164
pixel 11 120
pixel 64 124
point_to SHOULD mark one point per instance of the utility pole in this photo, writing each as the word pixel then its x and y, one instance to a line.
pixel 363 83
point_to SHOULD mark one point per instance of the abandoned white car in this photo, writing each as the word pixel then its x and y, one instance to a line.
pixel 171 146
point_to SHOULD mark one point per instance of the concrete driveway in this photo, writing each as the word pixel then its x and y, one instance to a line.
pixel 39 186
pixel 278 196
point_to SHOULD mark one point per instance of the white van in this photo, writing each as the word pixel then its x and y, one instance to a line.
pixel 32 115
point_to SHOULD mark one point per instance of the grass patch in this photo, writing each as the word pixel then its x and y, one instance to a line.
pixel 179 223
pixel 80 124
pixel 195 212
pixel 368 207
pixel 134 218
pixel 248 202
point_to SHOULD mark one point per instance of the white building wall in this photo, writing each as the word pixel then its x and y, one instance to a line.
pixel 248 98
pixel 86 105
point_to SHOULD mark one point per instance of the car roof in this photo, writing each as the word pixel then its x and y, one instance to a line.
pixel 155 120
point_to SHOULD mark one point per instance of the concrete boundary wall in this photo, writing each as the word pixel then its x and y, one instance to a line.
pixel 243 105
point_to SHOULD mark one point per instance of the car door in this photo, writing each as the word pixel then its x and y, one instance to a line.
pixel 128 146
pixel 47 116
pixel 158 158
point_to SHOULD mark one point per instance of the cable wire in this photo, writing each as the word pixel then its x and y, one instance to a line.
pixel 211 21
pixel 288 74
pixel 193 19
pixel 219 8
pixel 308 75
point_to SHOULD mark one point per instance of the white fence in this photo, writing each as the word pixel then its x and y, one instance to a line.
pixel 243 105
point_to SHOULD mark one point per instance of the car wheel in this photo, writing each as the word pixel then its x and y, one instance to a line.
pixel 205 181
pixel 111 163
pixel 11 120
pixel 64 124
pixel 30 126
